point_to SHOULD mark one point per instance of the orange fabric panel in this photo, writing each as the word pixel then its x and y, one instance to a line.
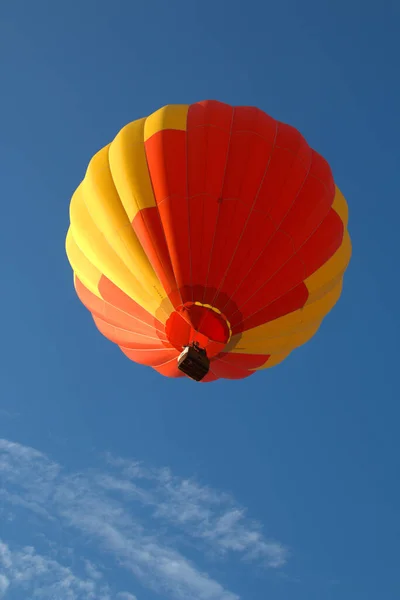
pixel 148 228
pixel 116 297
pixel 166 157
pixel 143 322
pixel 169 369
pixel 130 339
pixel 151 358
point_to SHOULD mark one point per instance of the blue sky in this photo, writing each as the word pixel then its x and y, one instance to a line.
pixel 116 483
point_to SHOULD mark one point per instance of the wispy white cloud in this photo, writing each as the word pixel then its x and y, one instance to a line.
pixel 26 569
pixel 4 584
pixel 201 512
pixel 92 571
pixel 108 521
pixel 140 518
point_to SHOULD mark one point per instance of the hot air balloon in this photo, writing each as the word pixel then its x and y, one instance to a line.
pixel 208 241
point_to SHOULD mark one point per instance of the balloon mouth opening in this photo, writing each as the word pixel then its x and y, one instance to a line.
pixel 203 324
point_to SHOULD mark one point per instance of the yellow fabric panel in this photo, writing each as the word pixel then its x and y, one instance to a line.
pixel 173 116
pixel 273 360
pixel 340 207
pixel 327 276
pixel 280 343
pixel 128 165
pixel 97 250
pixel 108 214
pixel 323 280
pixel 88 274
pixel 295 321
pixel 281 336
pixel 288 332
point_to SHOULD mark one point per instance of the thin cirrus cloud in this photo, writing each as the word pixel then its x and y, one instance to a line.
pixel 146 522
pixel 27 570
pixel 4 584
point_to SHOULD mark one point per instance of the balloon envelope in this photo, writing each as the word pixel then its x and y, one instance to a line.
pixel 211 224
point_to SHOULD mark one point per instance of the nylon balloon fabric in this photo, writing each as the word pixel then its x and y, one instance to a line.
pixel 212 224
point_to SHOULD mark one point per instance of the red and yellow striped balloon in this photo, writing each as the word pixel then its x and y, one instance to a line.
pixel 208 223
